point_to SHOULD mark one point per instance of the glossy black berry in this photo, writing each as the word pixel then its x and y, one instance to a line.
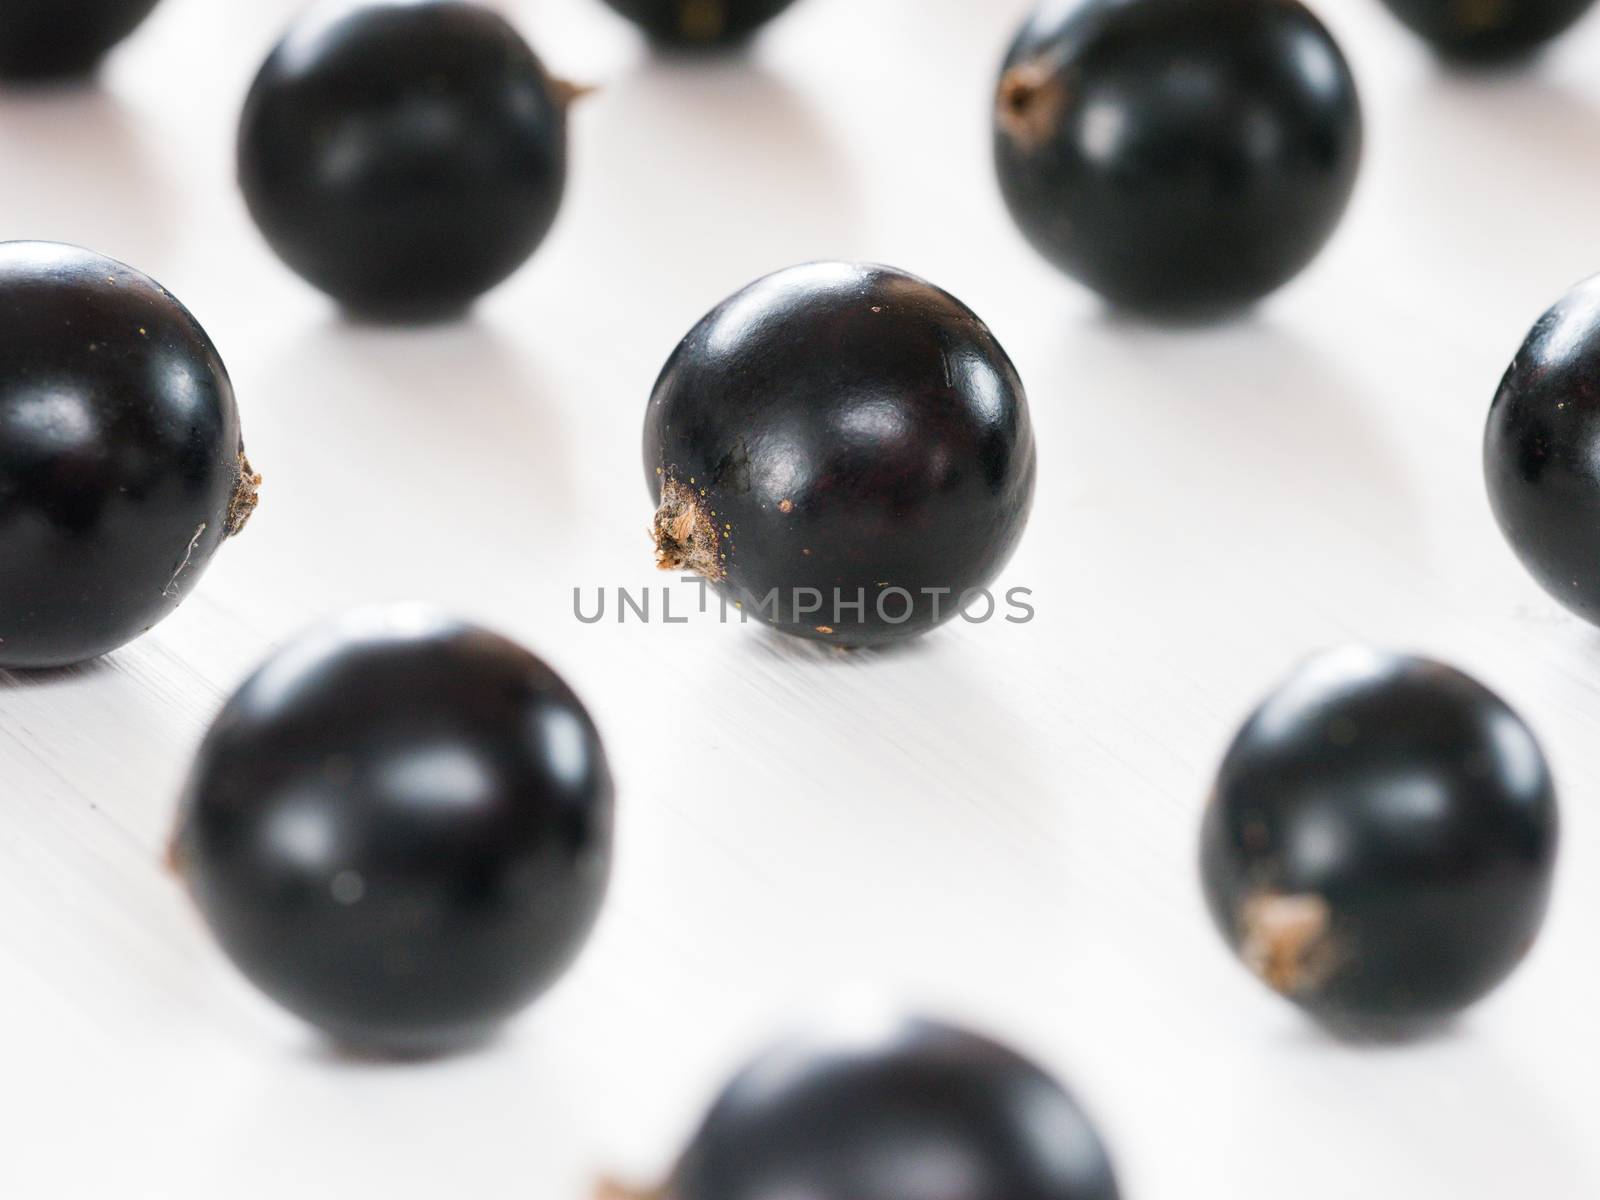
pixel 1182 159
pixel 405 156
pixel 121 464
pixel 41 39
pixel 914 1111
pixel 1541 453
pixel 702 22
pixel 1488 29
pixel 1380 842
pixel 400 829
pixel 844 451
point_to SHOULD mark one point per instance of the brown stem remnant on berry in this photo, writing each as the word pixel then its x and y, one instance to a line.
pixel 686 535
pixel 702 20
pixel 172 861
pixel 568 93
pixel 1285 940
pixel 244 499
pixel 1030 103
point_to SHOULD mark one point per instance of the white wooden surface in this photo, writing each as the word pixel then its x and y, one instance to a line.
pixel 998 823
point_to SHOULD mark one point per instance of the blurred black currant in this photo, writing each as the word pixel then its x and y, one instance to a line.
pixel 1381 839
pixel 916 1111
pixel 1182 159
pixel 405 156
pixel 44 39
pixel 400 830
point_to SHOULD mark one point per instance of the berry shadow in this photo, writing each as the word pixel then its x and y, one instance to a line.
pixel 873 767
pixel 16 679
pixel 424 1121
pixel 1272 445
pixel 401 318
pixel 652 170
pixel 1494 176
pixel 1453 1137
pixel 79 169
pixel 787 649
pixel 346 1056
pixel 1179 320
pixel 1385 1034
pixel 694 56
pixel 434 442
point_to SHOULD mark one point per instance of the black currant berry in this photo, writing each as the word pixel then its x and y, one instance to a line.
pixel 916 1111
pixel 844 451
pixel 405 156
pixel 1541 453
pixel 400 829
pixel 121 464
pixel 1380 843
pixel 1488 29
pixel 700 21
pixel 42 39
pixel 1181 159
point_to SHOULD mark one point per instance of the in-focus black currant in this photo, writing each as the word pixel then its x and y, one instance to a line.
pixel 121 465
pixel 1489 29
pixel 1181 159
pixel 703 22
pixel 844 450
pixel 42 39
pixel 1380 843
pixel 914 1111
pixel 1541 451
pixel 405 156
pixel 400 829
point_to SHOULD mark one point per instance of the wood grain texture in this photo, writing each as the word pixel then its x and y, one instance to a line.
pixel 997 824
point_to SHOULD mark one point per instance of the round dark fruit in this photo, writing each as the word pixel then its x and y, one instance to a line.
pixel 1489 29
pixel 1541 452
pixel 912 1111
pixel 842 450
pixel 121 464
pixel 704 22
pixel 400 830
pixel 42 39
pixel 405 156
pixel 1181 159
pixel 1380 843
